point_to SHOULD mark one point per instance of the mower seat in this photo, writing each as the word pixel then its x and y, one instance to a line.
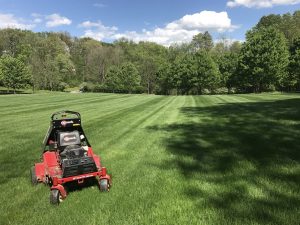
pixel 72 151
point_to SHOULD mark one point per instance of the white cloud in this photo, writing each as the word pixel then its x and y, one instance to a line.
pixel 204 20
pixel 97 30
pixel 55 20
pixel 177 31
pixel 37 20
pixel 261 3
pixel 99 5
pixel 98 25
pixel 10 21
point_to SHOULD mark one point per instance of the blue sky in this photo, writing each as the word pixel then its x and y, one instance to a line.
pixel 164 21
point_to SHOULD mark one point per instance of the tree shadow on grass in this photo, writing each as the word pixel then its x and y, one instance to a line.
pixel 11 92
pixel 240 160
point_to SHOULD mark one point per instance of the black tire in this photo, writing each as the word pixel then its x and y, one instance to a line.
pixel 54 197
pixel 104 185
pixel 34 179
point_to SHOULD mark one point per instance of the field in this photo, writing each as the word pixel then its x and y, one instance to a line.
pixel 175 160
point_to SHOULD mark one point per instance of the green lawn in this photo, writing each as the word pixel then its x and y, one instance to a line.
pixel 175 160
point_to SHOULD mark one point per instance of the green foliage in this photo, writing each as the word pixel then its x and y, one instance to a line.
pixel 207 72
pixel 235 47
pixel 113 79
pixel 227 63
pixel 65 67
pixel 263 60
pixel 62 86
pixel 14 73
pixel 183 71
pixel 288 24
pixel 294 66
pixel 202 42
pixel 130 77
pixel 268 21
pixel 164 79
pixel 86 87
pixel 125 79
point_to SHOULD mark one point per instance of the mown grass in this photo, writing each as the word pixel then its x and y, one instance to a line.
pixel 175 160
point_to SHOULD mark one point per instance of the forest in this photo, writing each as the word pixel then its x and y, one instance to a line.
pixel 268 60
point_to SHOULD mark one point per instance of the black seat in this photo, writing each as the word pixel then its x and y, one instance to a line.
pixel 72 151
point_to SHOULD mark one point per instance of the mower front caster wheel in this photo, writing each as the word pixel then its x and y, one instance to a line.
pixel 55 197
pixel 104 185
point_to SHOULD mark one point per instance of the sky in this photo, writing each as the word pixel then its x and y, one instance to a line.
pixel 162 21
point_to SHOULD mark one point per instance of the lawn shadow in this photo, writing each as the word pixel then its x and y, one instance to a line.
pixel 244 158
pixel 11 92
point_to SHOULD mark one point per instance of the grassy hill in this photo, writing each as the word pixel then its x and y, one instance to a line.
pixel 230 159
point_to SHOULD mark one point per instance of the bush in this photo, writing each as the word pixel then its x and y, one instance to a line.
pixel 83 87
pixel 232 91
pixel 270 88
pixel 86 87
pixel 98 88
pixel 206 92
pixel 138 90
pixel 220 91
pixel 62 86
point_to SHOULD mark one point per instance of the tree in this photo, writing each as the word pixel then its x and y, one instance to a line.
pixel 147 57
pixel 112 81
pixel 13 73
pixel 288 24
pixel 235 47
pixel 207 73
pixel 148 70
pixel 268 21
pixel 130 77
pixel 50 62
pixel 10 40
pixel 202 42
pixel 227 63
pixel 65 67
pixel 183 71
pixel 263 59
pixel 164 79
pixel 293 77
pixel 124 78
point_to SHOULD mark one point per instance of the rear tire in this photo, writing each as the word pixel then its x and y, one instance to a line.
pixel 54 197
pixel 103 185
pixel 34 180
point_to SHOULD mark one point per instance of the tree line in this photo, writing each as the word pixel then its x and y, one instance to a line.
pixel 268 60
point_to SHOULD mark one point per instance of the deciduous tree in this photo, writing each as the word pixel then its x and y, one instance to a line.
pixel 14 73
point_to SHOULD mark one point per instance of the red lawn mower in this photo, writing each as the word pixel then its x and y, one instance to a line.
pixel 67 158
